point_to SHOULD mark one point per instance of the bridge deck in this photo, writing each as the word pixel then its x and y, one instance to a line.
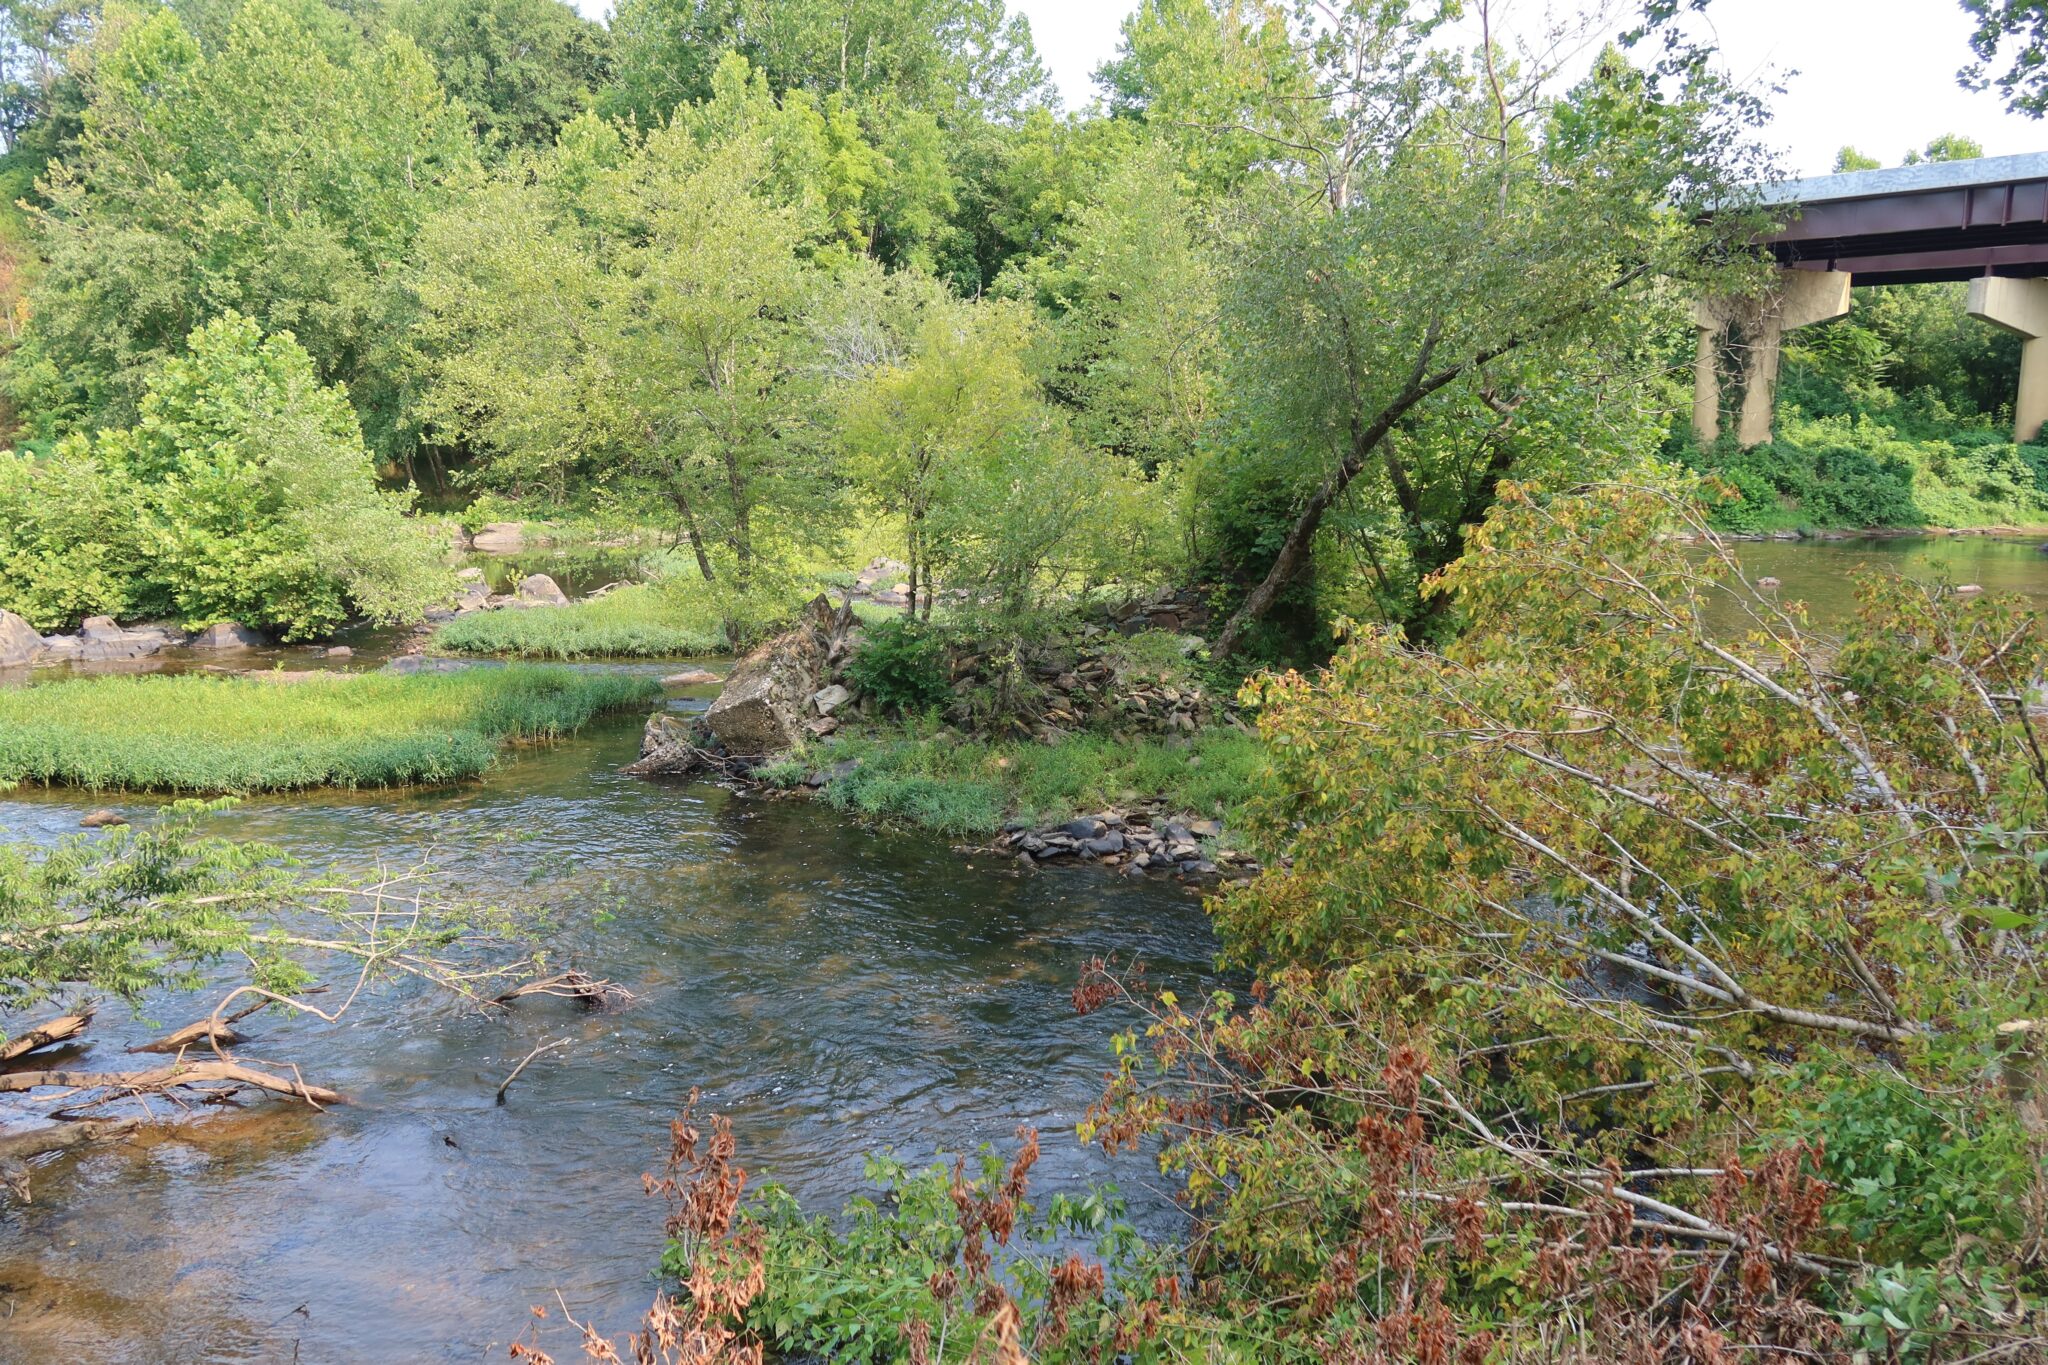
pixel 1950 220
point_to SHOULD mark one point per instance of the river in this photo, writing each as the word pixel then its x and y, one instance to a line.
pixel 836 990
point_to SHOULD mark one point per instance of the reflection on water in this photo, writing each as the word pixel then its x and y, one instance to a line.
pixel 1822 573
pixel 835 990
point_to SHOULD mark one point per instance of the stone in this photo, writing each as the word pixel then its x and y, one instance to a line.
pixel 227 635
pixel 826 700
pixel 821 727
pixel 690 677
pixel 1087 827
pixel 890 598
pixel 102 818
pixel 760 710
pixel 1970 590
pixel 59 649
pixel 538 590
pixel 469 574
pixel 99 639
pixel 340 652
pixel 1106 845
pixel 499 538
pixel 1205 829
pixel 420 663
pixel 20 645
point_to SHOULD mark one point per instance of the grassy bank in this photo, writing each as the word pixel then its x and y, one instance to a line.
pixel 641 621
pixel 196 733
pixel 966 787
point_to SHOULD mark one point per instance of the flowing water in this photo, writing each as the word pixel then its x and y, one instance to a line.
pixel 836 990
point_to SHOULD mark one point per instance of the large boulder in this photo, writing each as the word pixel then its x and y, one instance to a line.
pixel 227 635
pixel 761 710
pixel 538 590
pixel 20 645
pixel 499 538
pixel 101 640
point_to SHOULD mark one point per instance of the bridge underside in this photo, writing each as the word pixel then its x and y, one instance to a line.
pixel 1984 221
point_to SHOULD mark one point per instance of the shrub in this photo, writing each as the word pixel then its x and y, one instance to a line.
pixel 195 733
pixel 244 493
pixel 902 664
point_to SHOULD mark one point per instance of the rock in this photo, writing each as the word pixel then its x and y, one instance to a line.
pixel 890 598
pixel 100 639
pixel 1205 829
pixel 469 574
pixel 499 538
pixel 102 818
pixel 1087 827
pixel 341 652
pixel 1106 845
pixel 760 710
pixel 668 747
pixel 690 677
pixel 420 663
pixel 20 645
pixel 475 596
pixel 1970 590
pixel 538 590
pixel 59 649
pixel 1178 833
pixel 826 700
pixel 227 635
pixel 900 589
pixel 821 727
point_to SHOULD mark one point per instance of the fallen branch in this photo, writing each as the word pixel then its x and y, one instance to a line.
pixel 41 1036
pixel 167 1077
pixel 16 1148
pixel 214 1031
pixel 523 1061
pixel 571 985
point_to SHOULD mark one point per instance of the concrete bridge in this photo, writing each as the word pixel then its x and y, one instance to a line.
pixel 1985 221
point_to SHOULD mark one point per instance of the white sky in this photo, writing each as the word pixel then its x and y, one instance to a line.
pixel 1879 74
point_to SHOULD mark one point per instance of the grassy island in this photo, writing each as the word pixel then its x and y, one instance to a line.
pixel 195 733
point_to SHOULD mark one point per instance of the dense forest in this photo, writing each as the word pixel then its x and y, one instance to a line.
pixel 1604 983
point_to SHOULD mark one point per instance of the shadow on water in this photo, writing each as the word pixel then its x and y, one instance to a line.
pixel 836 990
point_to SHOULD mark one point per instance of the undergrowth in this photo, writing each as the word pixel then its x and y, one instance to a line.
pixel 195 733
pixel 634 622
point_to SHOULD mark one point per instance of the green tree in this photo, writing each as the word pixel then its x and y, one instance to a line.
pixel 267 177
pixel 1849 159
pixel 244 492
pixel 521 68
pixel 2017 32
pixel 1947 147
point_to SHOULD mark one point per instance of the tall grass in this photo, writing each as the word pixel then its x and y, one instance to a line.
pixel 969 787
pixel 195 733
pixel 641 621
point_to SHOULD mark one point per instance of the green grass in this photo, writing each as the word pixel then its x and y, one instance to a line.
pixel 971 787
pixel 195 733
pixel 641 621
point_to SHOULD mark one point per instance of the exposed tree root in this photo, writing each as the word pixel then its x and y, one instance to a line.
pixel 58 1030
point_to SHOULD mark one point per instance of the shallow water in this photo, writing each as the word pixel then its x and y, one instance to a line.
pixel 1823 573
pixel 835 990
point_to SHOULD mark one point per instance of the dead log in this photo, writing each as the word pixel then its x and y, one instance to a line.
pixel 205 1031
pixel 58 1030
pixel 16 1148
pixel 168 1077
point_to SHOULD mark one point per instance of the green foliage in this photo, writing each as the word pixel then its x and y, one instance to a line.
pixel 902 664
pixel 242 493
pixel 520 68
pixel 2016 33
pixel 196 733
pixel 280 173
pixel 133 909
pixel 636 621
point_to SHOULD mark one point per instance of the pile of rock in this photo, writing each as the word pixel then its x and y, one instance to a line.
pixel 1079 687
pixel 1137 841
pixel 474 594
pixel 101 640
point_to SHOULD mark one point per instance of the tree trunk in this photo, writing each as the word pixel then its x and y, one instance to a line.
pixel 688 516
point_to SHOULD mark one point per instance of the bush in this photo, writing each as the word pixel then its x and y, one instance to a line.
pixel 244 493
pixel 902 664
pixel 195 733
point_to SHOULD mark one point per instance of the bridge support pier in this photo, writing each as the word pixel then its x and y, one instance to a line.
pixel 1800 298
pixel 2019 306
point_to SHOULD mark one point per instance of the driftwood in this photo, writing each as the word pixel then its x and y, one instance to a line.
pixel 16 1148
pixel 584 989
pixel 506 1084
pixel 58 1030
pixel 167 1077
pixel 192 1035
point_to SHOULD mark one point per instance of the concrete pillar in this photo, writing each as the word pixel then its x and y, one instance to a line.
pixel 1800 298
pixel 2019 306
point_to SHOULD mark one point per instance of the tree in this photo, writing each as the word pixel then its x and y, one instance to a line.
pixel 268 177
pixel 2017 27
pixel 1412 267
pixel 522 68
pixel 1849 159
pixel 1947 147
pixel 243 493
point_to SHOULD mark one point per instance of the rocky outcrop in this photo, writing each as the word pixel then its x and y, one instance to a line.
pixel 1136 841
pixel 499 538
pixel 227 635
pixel 20 646
pixel 101 640
pixel 766 705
